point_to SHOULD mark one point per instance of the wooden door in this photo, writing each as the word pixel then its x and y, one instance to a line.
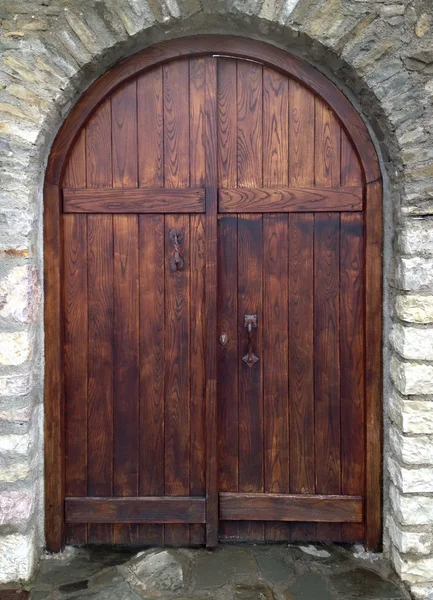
pixel 291 424
pixel 212 305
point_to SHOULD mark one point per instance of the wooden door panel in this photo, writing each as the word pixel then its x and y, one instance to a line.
pixel 145 263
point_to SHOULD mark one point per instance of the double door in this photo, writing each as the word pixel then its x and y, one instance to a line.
pixel 214 290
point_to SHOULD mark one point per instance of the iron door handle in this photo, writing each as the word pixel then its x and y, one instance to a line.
pixel 176 237
pixel 250 322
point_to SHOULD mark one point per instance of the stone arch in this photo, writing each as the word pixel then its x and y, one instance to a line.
pixel 44 72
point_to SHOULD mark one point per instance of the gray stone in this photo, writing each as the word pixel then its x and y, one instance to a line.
pixel 309 587
pixel 120 591
pixel 155 571
pixel 258 591
pixel 216 568
pixel 274 568
pixel 365 584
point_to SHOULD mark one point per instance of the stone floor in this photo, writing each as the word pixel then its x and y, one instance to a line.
pixel 231 572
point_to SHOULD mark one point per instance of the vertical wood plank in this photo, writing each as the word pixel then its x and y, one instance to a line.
pixel 176 174
pixel 227 291
pixel 327 172
pixel 250 140
pixel 301 173
pixel 75 316
pixel 54 373
pixel 275 309
pixel 150 121
pixel 211 304
pixel 301 362
pixel 176 124
pixel 100 290
pixel 352 365
pixel 126 323
pixel 373 366
pixel 197 151
pixel 275 370
pixel 126 367
pixel 327 364
pixel 152 352
pixel 250 258
pixel 150 113
pixel 251 460
pixel 227 123
pixel 301 135
pixel 177 380
pixel 100 387
pixel 228 361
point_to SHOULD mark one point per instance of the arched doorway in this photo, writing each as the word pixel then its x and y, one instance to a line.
pixel 213 305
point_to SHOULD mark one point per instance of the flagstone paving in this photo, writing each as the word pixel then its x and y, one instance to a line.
pixel 230 572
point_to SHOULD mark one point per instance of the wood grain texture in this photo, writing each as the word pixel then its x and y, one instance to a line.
pixel 373 366
pixel 125 366
pixel 124 136
pixel 352 363
pixel 197 151
pixel 135 201
pixel 227 123
pixel 276 424
pixel 327 363
pixel 176 124
pixel 301 362
pixel 250 301
pixel 249 131
pixel 150 129
pixel 277 199
pixel 177 373
pixel 153 509
pixel 152 365
pixel 211 305
pixel 291 507
pixel 75 335
pixel 301 135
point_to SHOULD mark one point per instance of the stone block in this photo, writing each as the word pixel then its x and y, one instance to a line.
pixel 16 385
pixel 415 274
pixel 411 378
pixel 15 348
pixel 412 450
pixel 15 224
pixel 413 343
pixel 16 508
pixel 411 416
pixel 416 235
pixel 19 294
pixel 17 444
pixel 422 592
pixel 17 557
pixel 409 541
pixel 411 481
pixel 411 509
pixel 415 309
pixel 412 570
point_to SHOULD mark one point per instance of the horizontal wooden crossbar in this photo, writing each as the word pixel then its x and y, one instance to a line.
pixel 290 507
pixel 134 200
pixel 263 200
pixel 150 509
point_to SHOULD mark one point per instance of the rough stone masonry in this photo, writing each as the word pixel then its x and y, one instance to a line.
pixel 380 53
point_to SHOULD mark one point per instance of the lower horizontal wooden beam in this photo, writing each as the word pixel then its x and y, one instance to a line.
pixel 134 200
pixel 290 507
pixel 274 200
pixel 151 509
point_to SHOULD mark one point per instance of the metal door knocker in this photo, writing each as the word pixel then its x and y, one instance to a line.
pixel 176 262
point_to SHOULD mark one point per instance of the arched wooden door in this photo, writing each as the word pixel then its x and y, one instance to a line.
pixel 217 230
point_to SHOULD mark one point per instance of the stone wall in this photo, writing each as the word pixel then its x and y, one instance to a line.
pixel 380 52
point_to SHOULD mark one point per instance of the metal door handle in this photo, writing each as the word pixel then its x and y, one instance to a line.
pixel 250 322
pixel 176 262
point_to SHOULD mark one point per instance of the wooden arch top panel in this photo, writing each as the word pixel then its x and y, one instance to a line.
pixel 267 55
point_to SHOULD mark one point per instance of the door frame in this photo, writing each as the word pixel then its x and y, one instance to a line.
pixel 357 132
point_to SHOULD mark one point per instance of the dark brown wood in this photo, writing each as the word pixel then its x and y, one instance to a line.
pixel 138 200
pixel 373 365
pixel 151 509
pixel 211 305
pixel 54 431
pixel 275 200
pixel 213 44
pixel 291 507
pixel 171 342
